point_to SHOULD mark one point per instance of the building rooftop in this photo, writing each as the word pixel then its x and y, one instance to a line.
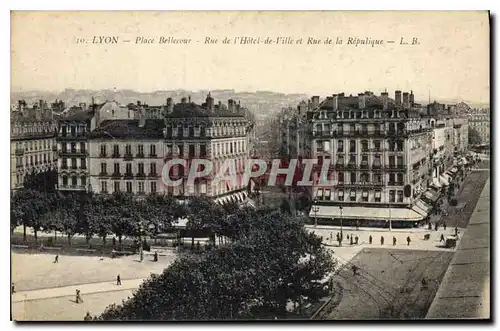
pixel 191 109
pixel 129 129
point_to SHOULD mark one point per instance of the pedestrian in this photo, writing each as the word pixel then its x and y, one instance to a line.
pixel 13 288
pixel 56 259
pixel 430 226
pixel 351 240
pixel 370 239
pixel 393 241
pixel 78 297
pixel 408 240
pixel 381 240
pixel 442 238
pixel 456 231
pixel 156 256
pixel 436 227
pixel 356 239
pixel 87 317
pixel 444 225
pixel 424 283
pixel 118 280
pixel 114 242
pixel 354 270
pixel 347 237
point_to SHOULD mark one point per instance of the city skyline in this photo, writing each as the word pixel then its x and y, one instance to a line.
pixel 453 56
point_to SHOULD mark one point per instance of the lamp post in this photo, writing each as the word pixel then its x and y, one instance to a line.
pixel 315 209
pixel 390 218
pixel 341 234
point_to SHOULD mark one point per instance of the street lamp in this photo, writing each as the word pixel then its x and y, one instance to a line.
pixel 390 218
pixel 315 209
pixel 341 234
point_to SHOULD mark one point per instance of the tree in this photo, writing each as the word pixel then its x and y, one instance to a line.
pixel 256 273
pixel 474 136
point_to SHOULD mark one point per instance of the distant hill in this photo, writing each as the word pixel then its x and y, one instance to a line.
pixel 262 103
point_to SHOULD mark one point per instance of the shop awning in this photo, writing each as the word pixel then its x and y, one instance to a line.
pixel 368 213
pixel 422 208
pixel 444 180
pixel 431 195
pixel 436 183
pixel 419 210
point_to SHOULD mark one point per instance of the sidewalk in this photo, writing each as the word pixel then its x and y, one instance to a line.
pixel 56 292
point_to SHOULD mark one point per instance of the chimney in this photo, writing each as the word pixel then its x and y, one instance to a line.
pixel 189 99
pixel 335 99
pixel 238 107
pixel 230 105
pixel 210 102
pixel 385 97
pixel 315 101
pixel 412 99
pixel 183 100
pixel 361 101
pixel 309 105
pixel 41 105
pixel 406 100
pixel 397 97
pixel 170 106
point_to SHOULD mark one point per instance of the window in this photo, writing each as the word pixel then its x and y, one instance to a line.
pixel 400 179
pixel 202 131
pixel 116 150
pixel 141 187
pixel 129 187
pixel 340 146
pixel 74 181
pixel 82 147
pixel 352 128
pixel 140 150
pixel 191 131
pixel 319 194
pixel 128 168
pixel 376 161
pixel 65 180
pixel 364 146
pixel 117 186
pixel 364 196
pixel 152 150
pixel 400 145
pixel 140 167
pixel 103 150
pixel 83 164
pixel 400 196
pixel 352 146
pixel 392 160
pixel 352 159
pixel 128 149
pixel 392 179
pixel 73 147
pixel 341 177
pixel 365 177
pixel 44 158
pixel 117 168
pixel 152 168
pixel 73 131
pixel 180 131
pixel 153 187
pixel 392 196
pixel 341 195
pixel 73 163
pixel 340 160
pixel 353 178
pixel 377 196
pixel 191 150
pixel 400 161
pixel 83 180
pixel 352 196
pixel 203 150
pixel 104 168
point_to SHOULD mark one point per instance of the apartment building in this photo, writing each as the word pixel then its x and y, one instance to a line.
pixel 213 132
pixel 377 151
pixel 33 143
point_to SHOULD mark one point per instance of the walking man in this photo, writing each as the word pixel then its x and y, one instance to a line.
pixel 356 239
pixel 381 240
pixel 56 259
pixel 393 241
pixel 436 227
pixel 78 297
pixel 442 238
pixel 408 240
pixel 370 239
pixel 351 240
pixel 87 317
pixel 354 270
pixel 118 280
pixel 444 226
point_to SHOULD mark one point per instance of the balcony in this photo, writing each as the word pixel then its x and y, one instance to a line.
pixel 74 167
pixel 153 155
pixel 128 157
pixel 54 148
pixel 72 187
pixel 152 175
pixel 140 155
pixel 116 175
pixel 83 166
pixel 103 154
pixel 76 137
pixel 141 175
pixel 19 151
pixel 115 155
pixel 393 167
pixel 340 166
pixel 103 174
pixel 352 166
pixel 128 175
pixel 64 166
pixel 364 166
pixel 376 167
pixel 360 185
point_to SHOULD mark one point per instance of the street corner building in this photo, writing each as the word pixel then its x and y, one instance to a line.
pixel 389 159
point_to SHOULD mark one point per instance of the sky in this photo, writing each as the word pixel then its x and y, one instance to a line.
pixel 451 60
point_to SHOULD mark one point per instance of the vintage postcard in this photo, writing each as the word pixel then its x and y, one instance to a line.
pixel 250 165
